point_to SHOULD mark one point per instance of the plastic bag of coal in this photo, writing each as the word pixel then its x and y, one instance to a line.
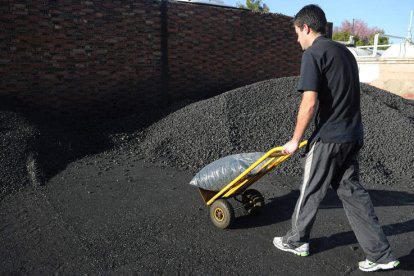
pixel 221 172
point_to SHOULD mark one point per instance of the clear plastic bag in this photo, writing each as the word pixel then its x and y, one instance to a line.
pixel 221 172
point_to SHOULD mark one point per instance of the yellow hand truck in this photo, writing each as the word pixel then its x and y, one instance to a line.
pixel 221 211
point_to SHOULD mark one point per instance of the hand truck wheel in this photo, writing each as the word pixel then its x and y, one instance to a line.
pixel 253 201
pixel 222 213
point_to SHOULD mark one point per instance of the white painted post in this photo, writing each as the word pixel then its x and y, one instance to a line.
pixel 374 52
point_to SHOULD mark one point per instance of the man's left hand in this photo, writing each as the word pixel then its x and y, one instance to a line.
pixel 290 147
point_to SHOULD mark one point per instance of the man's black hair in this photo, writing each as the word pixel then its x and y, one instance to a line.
pixel 313 16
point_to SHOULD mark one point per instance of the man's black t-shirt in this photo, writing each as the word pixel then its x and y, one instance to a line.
pixel 330 69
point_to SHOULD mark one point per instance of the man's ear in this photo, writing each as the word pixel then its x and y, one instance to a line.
pixel 306 28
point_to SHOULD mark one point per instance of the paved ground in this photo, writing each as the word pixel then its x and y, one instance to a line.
pixel 116 214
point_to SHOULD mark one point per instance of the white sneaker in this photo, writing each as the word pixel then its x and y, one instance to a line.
pixel 370 266
pixel 302 250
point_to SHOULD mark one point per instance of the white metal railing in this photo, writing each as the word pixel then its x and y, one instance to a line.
pixel 406 40
pixel 375 46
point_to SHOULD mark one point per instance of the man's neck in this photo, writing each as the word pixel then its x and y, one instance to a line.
pixel 313 37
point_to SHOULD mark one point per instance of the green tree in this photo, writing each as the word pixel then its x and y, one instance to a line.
pixel 345 36
pixel 254 5
pixel 341 36
pixel 382 40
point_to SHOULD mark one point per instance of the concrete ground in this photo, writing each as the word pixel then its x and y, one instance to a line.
pixel 117 214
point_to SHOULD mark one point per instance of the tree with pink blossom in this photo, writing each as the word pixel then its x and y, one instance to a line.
pixel 362 33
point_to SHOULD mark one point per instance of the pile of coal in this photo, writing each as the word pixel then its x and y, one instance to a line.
pixel 19 140
pixel 253 118
pixel 35 146
pixel 262 115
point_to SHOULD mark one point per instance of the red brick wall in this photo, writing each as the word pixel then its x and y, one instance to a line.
pixel 105 57
pixel 214 49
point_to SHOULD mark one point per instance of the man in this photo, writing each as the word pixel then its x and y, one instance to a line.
pixel 329 79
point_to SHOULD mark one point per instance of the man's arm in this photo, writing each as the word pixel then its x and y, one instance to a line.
pixel 305 115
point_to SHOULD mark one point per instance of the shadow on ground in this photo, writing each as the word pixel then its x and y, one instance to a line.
pixel 380 198
pixel 286 203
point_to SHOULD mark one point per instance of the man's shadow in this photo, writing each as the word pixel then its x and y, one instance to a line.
pixel 281 208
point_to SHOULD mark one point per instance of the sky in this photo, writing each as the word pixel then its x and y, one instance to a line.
pixel 393 16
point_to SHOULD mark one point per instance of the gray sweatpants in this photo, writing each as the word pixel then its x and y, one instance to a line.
pixel 336 165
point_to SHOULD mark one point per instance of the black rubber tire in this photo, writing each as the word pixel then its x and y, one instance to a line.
pixel 222 213
pixel 253 201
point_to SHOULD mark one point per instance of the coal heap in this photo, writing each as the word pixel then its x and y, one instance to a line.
pixel 34 146
pixel 260 116
pixel 18 151
pixel 253 118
